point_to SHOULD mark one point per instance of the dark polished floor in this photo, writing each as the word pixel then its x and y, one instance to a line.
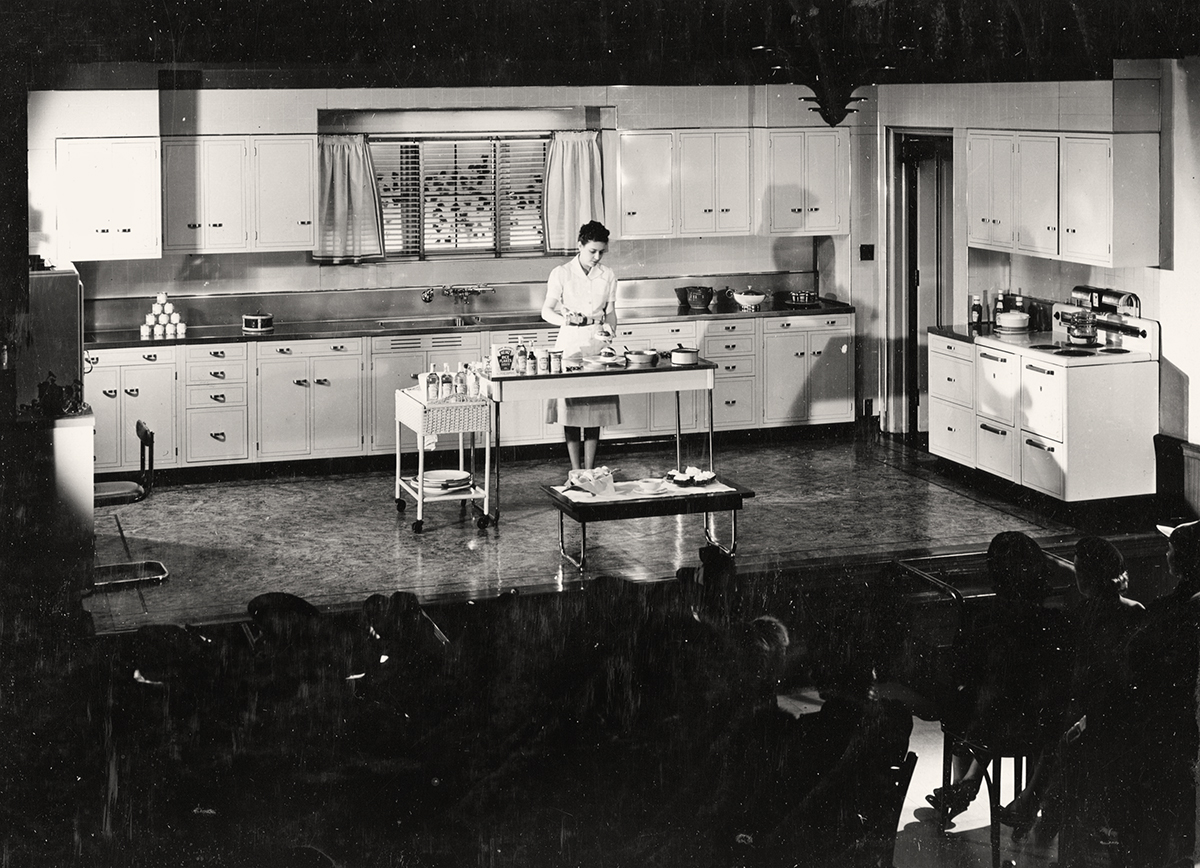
pixel 336 538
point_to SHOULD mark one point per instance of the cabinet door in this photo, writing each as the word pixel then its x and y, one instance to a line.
pixel 785 377
pixel 283 402
pixel 733 182
pixel 645 184
pixel 148 394
pixel 697 191
pixel 102 390
pixel 733 403
pixel 336 404
pixel 786 181
pixel 223 180
pixel 996 384
pixel 1086 199
pixel 831 377
pixel 823 203
pixel 979 189
pixel 1037 195
pixel 183 222
pixel 108 195
pixel 284 171
pixel 216 434
pixel 389 373
pixel 1002 192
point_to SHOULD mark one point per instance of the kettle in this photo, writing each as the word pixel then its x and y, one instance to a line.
pixel 699 297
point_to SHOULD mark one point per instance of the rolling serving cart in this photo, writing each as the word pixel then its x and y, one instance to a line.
pixel 473 416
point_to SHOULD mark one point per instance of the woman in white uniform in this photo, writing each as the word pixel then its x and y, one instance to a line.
pixel 581 298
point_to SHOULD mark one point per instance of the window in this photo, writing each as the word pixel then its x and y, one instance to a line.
pixel 462 196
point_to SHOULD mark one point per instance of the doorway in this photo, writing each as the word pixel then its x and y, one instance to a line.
pixel 921 290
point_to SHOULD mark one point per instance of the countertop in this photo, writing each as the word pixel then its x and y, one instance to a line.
pixel 442 321
pixel 963 333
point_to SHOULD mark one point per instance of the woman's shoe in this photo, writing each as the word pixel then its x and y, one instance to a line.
pixel 1019 817
pixel 954 799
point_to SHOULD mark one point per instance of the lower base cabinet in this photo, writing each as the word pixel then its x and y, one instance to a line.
pixel 125 386
pixel 952 431
pixel 997 450
pixel 310 399
pixel 216 404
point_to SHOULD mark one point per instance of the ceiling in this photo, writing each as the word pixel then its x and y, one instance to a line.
pixel 461 43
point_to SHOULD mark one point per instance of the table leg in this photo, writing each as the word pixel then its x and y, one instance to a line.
pixel 496 514
pixel 710 431
pixel 562 543
pixel 732 533
pixel 678 436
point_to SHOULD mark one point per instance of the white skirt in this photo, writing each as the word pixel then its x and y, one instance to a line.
pixel 592 412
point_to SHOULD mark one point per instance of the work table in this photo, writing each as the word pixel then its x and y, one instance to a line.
pixel 446 321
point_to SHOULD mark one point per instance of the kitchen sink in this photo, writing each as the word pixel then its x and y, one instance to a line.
pixel 421 324
pixel 503 319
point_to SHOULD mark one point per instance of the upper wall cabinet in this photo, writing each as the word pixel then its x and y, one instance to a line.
pixel 808 182
pixel 691 183
pixel 990 190
pixel 108 198
pixel 1078 197
pixel 226 194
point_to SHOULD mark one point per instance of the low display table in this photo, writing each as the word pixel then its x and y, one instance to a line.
pixel 717 496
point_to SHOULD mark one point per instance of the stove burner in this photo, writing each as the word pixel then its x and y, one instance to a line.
pixel 1074 353
pixel 1115 351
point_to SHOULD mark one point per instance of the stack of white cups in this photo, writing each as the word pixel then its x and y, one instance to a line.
pixel 163 322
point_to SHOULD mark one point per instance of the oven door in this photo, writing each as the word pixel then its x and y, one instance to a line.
pixel 1043 397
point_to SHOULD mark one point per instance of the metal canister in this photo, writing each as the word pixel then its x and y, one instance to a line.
pixel 556 357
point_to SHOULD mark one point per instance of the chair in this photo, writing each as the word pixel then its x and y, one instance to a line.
pixel 131 573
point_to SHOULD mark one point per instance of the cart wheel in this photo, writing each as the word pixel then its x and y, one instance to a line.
pixel 418 526
pixel 400 504
pixel 482 521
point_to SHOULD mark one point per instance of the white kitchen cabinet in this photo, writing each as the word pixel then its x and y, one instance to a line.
pixel 284 172
pixel 997 399
pixel 216 403
pixel 714 183
pixel 808 182
pixel 997 449
pixel 124 386
pixel 732 344
pixel 952 399
pixel 205 194
pixel 109 200
pixel 310 398
pixel 1037 194
pixel 396 362
pixel 645 184
pixel 808 370
pixel 990 190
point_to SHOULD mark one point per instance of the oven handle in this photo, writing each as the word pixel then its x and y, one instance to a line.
pixel 1038 370
pixel 1037 445
pixel 993 358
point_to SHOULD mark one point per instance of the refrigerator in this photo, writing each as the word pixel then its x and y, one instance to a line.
pixel 56 325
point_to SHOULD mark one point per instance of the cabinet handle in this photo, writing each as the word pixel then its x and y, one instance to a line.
pixel 1069 232
pixel 992 358
pixel 217 354
pixel 102 231
pixel 124 231
pixel 1038 370
pixel 785 325
pixel 816 352
pixel 708 210
pixel 220 375
pixel 150 357
pixel 725 210
pixel 730 328
pixel 217 435
pixel 997 222
pixel 797 210
pixel 814 209
pixel 799 355
pixel 949 379
pixel 216 225
pixel 132 393
pixel 731 367
pixel 321 381
pixel 300 382
pixel 630 213
pixel 110 393
pixel 992 430
pixel 676 331
pixel 983 220
pixel 830 322
pixel 287 351
pixel 304 222
pixel 220 399
pixel 1037 445
pixel 338 348
pixel 730 403
pixel 193 226
pixel 731 346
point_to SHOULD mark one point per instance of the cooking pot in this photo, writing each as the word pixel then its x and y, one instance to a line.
pixel 641 358
pixel 747 298
pixel 682 355
pixel 1081 327
pixel 258 322
pixel 699 297
pixel 802 296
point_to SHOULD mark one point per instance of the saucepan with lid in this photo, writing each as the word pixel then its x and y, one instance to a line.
pixel 682 355
pixel 1081 327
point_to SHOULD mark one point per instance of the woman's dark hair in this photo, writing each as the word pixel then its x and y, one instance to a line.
pixel 1018 568
pixel 593 230
pixel 1099 567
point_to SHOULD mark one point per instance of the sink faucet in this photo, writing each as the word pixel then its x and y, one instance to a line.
pixel 463 292
pixel 427 295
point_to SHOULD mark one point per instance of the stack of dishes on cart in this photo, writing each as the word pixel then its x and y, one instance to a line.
pixel 436 482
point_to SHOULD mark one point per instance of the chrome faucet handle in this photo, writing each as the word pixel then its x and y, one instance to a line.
pixel 427 295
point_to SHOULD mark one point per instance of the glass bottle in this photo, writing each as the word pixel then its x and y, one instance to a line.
pixel 446 392
pixel 519 358
pixel 976 310
pixel 433 385
pixel 460 382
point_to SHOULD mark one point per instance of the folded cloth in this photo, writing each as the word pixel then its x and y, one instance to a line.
pixel 598 480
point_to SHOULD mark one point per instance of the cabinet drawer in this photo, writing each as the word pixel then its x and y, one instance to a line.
pixel 215 372
pixel 209 353
pixel 743 327
pixel 774 325
pixel 735 366
pixel 733 403
pixel 952 379
pixel 217 395
pixel 1044 465
pixel 996 449
pixel 949 347
pixel 217 434
pixel 148 355
pixel 952 431
pixel 721 346
pixel 335 346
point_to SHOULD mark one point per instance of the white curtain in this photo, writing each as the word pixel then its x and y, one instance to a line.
pixel 349 219
pixel 574 191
